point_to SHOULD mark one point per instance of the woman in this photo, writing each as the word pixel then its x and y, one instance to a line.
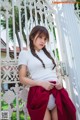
pixel 41 66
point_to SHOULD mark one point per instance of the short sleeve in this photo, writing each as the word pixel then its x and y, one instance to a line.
pixel 23 58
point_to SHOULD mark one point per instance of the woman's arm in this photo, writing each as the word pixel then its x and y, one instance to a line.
pixel 23 76
pixel 27 81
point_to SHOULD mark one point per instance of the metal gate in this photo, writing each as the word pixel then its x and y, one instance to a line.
pixel 17 18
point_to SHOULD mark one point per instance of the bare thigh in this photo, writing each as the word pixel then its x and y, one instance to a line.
pixel 54 114
pixel 47 115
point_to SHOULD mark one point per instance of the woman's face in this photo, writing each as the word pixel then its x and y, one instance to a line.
pixel 39 42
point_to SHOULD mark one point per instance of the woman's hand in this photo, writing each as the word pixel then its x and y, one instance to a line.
pixel 47 85
pixel 58 85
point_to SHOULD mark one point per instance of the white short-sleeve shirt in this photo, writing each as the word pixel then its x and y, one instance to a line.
pixel 35 67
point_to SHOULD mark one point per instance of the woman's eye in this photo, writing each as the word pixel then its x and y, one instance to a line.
pixel 45 39
pixel 40 36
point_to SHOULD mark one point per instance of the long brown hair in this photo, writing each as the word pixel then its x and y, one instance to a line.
pixel 40 30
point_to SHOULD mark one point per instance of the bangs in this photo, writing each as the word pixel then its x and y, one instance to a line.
pixel 43 33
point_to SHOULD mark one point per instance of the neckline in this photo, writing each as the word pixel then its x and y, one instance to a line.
pixel 38 51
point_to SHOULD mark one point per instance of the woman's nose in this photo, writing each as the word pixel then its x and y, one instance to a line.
pixel 43 41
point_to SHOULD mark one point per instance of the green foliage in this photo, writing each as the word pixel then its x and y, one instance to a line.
pixel 21 116
pixel 17 26
pixel 54 33
pixel 4 105
pixel 77 0
pixel 77 4
pixel 56 53
pixel 14 115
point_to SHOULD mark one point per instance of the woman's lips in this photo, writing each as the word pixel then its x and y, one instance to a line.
pixel 41 45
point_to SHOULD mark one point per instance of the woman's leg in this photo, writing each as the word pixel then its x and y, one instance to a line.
pixel 47 115
pixel 54 114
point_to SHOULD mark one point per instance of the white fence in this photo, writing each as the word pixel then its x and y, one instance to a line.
pixel 17 18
